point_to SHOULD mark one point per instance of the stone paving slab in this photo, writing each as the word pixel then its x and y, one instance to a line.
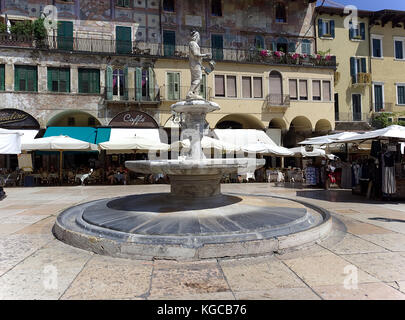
pixel 389 266
pixel 184 279
pixel 259 274
pixel 109 278
pixel 303 293
pixel 390 241
pixel 46 274
pixel 364 291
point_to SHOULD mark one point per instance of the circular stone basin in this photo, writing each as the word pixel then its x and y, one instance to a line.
pixel 151 226
pixel 194 167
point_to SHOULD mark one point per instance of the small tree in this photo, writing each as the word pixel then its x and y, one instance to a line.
pixel 3 28
pixel 39 29
pixel 381 120
pixel 23 28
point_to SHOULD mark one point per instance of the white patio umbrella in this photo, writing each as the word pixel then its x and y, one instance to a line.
pixel 58 143
pixel 10 141
pixel 334 138
pixel 134 143
pixel 393 132
pixel 301 152
pixel 267 149
pixel 206 143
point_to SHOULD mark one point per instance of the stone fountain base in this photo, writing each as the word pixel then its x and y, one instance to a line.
pixel 162 226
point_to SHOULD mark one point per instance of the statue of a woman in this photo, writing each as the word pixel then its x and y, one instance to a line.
pixel 196 67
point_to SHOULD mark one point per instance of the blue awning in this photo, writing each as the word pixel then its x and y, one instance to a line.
pixel 88 134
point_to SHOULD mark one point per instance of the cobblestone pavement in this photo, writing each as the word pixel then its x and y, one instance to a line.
pixel 363 258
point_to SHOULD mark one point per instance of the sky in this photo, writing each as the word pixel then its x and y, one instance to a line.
pixel 373 5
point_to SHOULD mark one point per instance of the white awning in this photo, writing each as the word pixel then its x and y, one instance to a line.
pixel 59 143
pixel 252 141
pixel 10 141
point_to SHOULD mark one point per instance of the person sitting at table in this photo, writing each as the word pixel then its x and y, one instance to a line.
pixel 71 176
pixel 44 176
pixel 121 175
pixel 110 175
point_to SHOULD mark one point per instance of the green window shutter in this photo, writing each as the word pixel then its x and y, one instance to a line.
pixel 32 79
pixel 169 42
pixel 170 86
pixel 65 35
pixel 363 31
pixel 126 83
pixel 332 28
pixel 96 81
pixel 16 78
pixel 50 79
pixel 123 40
pixel 80 74
pixel 177 86
pixel 109 82
pixel 151 78
pixel 353 69
pixel 65 79
pixel 320 27
pixel 138 84
pixel 2 78
pixel 363 65
pixel 217 42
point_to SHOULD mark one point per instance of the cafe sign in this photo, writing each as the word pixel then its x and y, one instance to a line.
pixel 133 119
pixel 17 119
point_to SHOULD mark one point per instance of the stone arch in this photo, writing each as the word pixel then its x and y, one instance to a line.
pixel 278 123
pixel 73 118
pixel 239 121
pixel 323 126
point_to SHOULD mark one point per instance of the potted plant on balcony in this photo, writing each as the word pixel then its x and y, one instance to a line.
pixel 22 33
pixel 294 58
pixel 278 56
pixel 40 33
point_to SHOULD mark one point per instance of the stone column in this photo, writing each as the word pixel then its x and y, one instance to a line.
pixel 102 82
pixel 42 79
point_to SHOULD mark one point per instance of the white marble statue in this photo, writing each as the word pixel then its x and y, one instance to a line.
pixel 196 67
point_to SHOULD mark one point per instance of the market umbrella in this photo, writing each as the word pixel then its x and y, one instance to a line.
pixel 206 143
pixel 334 138
pixel 133 143
pixel 391 132
pixel 301 152
pixel 58 143
pixel 10 141
pixel 267 149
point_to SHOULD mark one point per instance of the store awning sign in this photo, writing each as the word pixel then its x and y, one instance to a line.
pixel 17 119
pixel 134 119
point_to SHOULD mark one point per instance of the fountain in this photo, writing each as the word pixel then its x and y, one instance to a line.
pixel 195 220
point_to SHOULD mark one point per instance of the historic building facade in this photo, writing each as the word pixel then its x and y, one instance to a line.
pixel 103 58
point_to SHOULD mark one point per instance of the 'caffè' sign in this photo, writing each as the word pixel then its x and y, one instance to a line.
pixel 17 119
pixel 133 119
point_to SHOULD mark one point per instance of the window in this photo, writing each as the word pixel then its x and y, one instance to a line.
pixel 327 95
pixel 217 43
pixel 173 86
pixel 303 90
pixel 377 46
pixel 58 79
pixel 293 89
pixel 216 8
pixel 281 13
pixel 378 90
pixel 231 86
pixel 65 35
pixel 259 42
pixel 246 87
pixel 123 36
pixel 316 90
pixel 169 42
pixel 219 86
pixel 306 47
pixel 401 94
pixel 89 81
pixel 2 77
pixel 399 48
pixel 357 65
pixel 326 28
pixel 168 5
pixel 118 83
pixel 357 32
pixel 257 87
pixel 26 78
pixel 122 3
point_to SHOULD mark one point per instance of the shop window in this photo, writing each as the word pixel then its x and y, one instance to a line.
pixel 89 81
pixel 2 77
pixel 168 5
pixel 26 78
pixel 58 79
pixel 281 13
pixel 216 8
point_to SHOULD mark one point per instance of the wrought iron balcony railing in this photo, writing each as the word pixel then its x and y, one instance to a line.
pixel 179 93
pixel 362 79
pixel 277 100
pixel 109 46
pixel 144 94
pixel 383 107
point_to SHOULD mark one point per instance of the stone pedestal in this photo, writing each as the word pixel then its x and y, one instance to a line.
pixel 203 186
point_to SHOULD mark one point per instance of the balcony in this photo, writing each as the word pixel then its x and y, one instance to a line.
pixel 277 101
pixel 352 117
pixel 362 79
pixel 132 95
pixel 179 93
pixel 138 48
